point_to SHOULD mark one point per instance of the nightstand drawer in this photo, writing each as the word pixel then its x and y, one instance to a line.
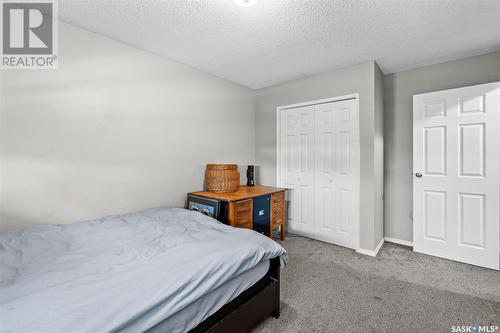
pixel 241 219
pixel 243 206
pixel 277 209
pixel 277 218
pixel 243 213
pixel 278 198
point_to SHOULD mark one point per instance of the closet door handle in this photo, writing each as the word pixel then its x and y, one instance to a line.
pixel 418 174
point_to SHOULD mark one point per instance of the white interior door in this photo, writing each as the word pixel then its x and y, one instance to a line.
pixel 456 153
pixel 297 161
pixel 335 173
pixel 319 163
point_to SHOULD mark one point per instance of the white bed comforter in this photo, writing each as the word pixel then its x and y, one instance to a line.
pixel 107 274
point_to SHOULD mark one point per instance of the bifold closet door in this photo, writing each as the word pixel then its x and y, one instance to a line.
pixel 319 158
pixel 297 167
pixel 456 158
pixel 336 172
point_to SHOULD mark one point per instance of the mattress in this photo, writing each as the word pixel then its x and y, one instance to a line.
pixel 196 312
pixel 124 273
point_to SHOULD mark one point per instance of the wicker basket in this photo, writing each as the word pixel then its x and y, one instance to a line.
pixel 222 178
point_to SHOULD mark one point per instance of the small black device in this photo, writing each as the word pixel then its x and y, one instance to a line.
pixel 261 214
pixel 251 175
pixel 210 207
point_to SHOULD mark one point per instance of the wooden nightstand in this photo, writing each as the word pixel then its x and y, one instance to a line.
pixel 240 207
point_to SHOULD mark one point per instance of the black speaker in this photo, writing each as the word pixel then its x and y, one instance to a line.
pixel 250 176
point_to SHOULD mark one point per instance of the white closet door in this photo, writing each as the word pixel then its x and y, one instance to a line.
pixel 456 153
pixel 319 158
pixel 336 173
pixel 297 172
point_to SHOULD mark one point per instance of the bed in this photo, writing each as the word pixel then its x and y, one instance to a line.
pixel 157 270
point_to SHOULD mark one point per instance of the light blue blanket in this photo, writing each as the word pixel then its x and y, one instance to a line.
pixel 108 274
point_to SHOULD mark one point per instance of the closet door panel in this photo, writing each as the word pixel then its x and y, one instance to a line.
pixel 324 173
pixel 335 148
pixel 297 160
pixel 320 165
pixel 346 172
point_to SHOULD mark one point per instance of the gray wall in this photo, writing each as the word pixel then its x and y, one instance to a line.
pixel 399 89
pixel 114 129
pixel 378 149
pixel 357 79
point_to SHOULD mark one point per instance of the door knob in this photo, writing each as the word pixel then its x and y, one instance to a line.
pixel 418 174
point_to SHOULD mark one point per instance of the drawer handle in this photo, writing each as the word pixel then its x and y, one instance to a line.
pixel 242 210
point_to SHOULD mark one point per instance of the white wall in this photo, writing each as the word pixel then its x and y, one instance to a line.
pixel 357 79
pixel 399 89
pixel 114 129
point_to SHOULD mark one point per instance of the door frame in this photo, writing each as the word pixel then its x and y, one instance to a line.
pixel 279 183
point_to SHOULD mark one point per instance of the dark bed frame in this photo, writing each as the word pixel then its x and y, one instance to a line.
pixel 250 308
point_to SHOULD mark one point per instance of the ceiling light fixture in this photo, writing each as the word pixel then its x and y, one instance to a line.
pixel 246 3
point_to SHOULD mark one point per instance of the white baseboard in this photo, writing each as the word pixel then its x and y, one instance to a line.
pixel 398 241
pixel 370 252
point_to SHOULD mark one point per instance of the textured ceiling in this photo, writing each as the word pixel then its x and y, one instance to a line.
pixel 279 40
